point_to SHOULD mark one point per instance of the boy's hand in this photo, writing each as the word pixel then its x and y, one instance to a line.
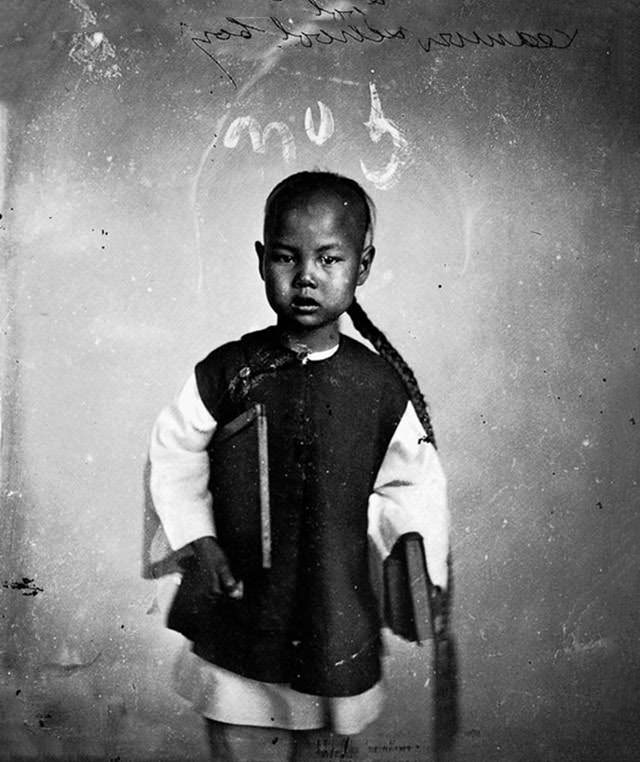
pixel 214 568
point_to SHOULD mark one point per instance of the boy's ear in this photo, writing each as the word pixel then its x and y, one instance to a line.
pixel 260 252
pixel 366 260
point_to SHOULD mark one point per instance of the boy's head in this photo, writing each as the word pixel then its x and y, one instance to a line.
pixel 309 184
pixel 317 248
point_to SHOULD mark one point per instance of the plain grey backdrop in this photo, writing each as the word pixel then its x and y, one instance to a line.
pixel 136 153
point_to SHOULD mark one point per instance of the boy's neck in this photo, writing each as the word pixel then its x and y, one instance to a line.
pixel 312 340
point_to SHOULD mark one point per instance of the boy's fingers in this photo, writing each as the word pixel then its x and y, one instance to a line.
pixel 215 585
pixel 215 570
pixel 231 587
pixel 225 576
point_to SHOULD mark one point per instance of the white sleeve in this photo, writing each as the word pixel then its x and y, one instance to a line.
pixel 180 467
pixel 410 495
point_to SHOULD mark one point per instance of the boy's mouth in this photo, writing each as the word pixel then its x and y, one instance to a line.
pixel 304 304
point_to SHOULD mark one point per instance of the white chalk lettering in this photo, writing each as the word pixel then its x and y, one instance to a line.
pixel 326 127
pixel 378 125
pixel 258 136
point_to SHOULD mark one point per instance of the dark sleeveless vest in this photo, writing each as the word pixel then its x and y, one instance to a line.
pixel 311 620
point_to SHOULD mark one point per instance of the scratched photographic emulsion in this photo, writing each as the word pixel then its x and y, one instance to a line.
pixel 320 380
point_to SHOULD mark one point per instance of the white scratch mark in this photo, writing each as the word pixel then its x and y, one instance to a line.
pixel 318 78
pixel 468 219
pixel 93 51
pixel 576 647
pixel 352 656
pixel 339 81
pixel 497 495
pixel 599 590
pixel 88 16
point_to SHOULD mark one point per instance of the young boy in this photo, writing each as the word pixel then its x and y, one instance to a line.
pixel 297 646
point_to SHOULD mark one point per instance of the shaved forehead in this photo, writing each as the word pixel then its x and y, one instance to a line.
pixel 347 206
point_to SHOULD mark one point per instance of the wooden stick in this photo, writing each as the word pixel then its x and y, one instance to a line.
pixel 265 508
pixel 257 413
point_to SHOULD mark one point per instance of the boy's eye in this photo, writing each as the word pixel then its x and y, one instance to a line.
pixel 281 257
pixel 327 259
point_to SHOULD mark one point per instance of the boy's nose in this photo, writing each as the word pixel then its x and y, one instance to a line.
pixel 305 278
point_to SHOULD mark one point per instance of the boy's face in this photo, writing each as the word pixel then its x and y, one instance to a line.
pixel 313 259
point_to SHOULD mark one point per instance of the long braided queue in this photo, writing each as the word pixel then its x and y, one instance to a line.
pixel 383 346
pixel 446 683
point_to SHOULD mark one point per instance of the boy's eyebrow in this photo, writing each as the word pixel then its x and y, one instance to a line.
pixel 329 246
pixel 289 247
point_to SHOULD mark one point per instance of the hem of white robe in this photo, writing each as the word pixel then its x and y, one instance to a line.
pixel 224 696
